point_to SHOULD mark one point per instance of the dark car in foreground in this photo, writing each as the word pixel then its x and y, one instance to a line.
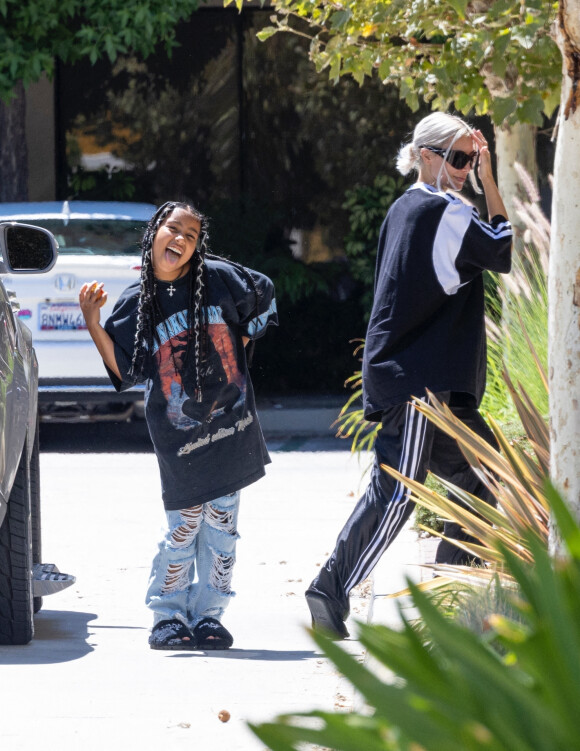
pixel 24 580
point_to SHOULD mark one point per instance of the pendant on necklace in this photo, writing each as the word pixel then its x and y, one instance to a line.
pixel 171 289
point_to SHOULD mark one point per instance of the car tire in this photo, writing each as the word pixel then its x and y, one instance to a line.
pixel 16 606
pixel 35 508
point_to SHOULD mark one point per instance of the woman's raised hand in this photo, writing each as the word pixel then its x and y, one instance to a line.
pixel 495 204
pixel 484 170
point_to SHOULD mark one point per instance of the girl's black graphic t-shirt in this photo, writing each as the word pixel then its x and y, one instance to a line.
pixel 214 447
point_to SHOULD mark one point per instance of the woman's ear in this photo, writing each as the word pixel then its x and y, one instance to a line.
pixel 426 155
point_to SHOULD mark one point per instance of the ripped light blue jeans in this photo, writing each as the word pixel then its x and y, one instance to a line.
pixel 192 572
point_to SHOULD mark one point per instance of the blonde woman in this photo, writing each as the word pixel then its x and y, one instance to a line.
pixel 426 332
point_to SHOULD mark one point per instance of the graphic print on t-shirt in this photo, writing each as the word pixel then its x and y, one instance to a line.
pixel 224 385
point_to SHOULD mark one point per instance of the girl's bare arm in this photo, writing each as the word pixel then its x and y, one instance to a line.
pixel 91 298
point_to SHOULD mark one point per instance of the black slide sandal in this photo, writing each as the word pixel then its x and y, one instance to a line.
pixel 210 634
pixel 171 635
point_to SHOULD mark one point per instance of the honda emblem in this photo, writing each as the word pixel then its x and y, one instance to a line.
pixel 65 282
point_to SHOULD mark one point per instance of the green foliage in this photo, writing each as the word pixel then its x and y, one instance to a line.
pixel 316 137
pixel 367 206
pixel 471 606
pixel 513 476
pixel 425 518
pixel 308 303
pixel 514 687
pixel 267 249
pixel 351 423
pixel 495 58
pixel 35 33
pixel 517 321
pixel 101 185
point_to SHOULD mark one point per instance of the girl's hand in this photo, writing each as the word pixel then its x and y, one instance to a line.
pixel 484 170
pixel 92 297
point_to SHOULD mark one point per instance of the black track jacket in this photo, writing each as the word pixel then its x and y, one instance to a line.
pixel 427 326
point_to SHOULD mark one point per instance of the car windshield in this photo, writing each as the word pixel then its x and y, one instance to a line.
pixel 99 237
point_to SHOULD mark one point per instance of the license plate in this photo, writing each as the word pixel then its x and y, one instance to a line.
pixel 61 316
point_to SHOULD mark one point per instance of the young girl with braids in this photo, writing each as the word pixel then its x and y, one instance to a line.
pixel 183 329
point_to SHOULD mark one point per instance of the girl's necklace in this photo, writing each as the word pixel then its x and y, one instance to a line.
pixel 174 355
pixel 171 289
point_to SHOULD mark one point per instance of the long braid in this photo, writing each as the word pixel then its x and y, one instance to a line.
pixel 200 325
pixel 197 315
pixel 148 312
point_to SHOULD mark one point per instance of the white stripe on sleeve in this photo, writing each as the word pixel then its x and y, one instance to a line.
pixel 448 238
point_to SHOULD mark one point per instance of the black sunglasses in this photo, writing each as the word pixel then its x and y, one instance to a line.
pixel 457 159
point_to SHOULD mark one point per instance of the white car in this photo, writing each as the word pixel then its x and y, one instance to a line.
pixel 97 240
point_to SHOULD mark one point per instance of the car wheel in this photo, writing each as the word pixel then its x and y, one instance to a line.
pixel 35 508
pixel 16 608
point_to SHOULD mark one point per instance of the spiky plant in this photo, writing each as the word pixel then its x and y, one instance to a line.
pixel 452 689
pixel 351 423
pixel 514 476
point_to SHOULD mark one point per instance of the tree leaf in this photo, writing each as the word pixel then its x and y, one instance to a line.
pixel 266 33
pixel 531 109
pixel 459 6
pixel 339 19
pixel 503 107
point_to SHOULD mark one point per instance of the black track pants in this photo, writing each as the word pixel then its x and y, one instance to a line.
pixel 410 443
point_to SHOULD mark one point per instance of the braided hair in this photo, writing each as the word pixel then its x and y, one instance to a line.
pixel 150 315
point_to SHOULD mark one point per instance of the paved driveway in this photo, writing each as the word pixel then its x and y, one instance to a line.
pixel 89 682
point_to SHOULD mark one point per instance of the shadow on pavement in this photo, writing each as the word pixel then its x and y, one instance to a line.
pixel 95 437
pixel 262 655
pixel 133 438
pixel 60 636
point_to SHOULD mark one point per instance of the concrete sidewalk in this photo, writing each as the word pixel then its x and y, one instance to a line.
pixel 308 423
pixel 88 681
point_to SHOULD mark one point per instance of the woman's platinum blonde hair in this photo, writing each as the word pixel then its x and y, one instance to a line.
pixel 438 129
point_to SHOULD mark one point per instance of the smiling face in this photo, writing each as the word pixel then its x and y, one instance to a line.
pixel 175 244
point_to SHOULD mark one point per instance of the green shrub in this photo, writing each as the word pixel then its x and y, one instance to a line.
pixel 316 319
pixel 425 518
pixel 514 476
pixel 367 206
pixel 517 321
pixel 514 688
pixel 101 185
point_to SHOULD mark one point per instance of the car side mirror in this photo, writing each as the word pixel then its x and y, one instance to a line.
pixel 26 249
